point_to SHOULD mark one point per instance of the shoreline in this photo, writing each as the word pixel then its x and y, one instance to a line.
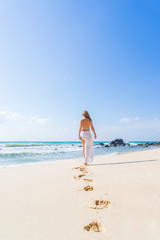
pixel 79 158
pixel 47 201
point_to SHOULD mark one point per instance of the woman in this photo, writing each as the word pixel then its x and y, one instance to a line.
pixel 86 137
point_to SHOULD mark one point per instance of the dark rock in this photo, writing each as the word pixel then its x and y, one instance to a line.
pixel 117 142
pixel 152 144
pixel 147 144
pixel 102 144
pixel 140 144
pixel 106 145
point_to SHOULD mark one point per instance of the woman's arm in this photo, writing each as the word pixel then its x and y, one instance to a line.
pixel 80 128
pixel 95 136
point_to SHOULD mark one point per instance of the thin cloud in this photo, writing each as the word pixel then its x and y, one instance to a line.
pixel 136 119
pixel 155 119
pixel 128 120
pixel 8 116
pixel 125 120
pixel 37 120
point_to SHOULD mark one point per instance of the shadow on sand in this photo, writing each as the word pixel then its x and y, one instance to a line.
pixel 99 164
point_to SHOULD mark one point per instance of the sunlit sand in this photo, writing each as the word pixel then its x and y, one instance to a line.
pixel 43 201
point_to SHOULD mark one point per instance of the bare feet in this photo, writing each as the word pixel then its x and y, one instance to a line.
pixel 86 164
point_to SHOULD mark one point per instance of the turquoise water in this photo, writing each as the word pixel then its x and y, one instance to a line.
pixel 24 153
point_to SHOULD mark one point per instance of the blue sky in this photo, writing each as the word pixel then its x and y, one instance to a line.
pixel 59 58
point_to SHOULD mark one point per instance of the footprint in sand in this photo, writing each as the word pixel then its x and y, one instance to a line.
pixel 84 170
pixel 100 204
pixel 75 168
pixel 81 169
pixel 79 176
pixel 88 188
pixel 94 226
pixel 87 180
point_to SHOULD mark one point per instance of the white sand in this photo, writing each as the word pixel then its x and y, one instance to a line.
pixel 42 202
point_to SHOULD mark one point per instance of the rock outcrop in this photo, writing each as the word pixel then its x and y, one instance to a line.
pixel 147 144
pixel 120 143
pixel 117 143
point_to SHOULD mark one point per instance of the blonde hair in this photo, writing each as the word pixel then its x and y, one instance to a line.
pixel 86 115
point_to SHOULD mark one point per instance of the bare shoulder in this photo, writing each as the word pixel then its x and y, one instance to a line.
pixel 85 120
pixel 81 121
pixel 88 121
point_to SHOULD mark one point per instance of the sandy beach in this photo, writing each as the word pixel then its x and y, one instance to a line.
pixel 48 201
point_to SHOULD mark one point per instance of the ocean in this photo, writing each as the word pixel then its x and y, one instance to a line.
pixel 25 153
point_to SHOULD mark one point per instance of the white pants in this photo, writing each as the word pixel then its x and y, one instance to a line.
pixel 89 150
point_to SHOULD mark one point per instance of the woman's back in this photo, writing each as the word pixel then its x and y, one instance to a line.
pixel 85 123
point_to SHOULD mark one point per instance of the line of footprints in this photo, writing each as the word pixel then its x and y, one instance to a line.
pixel 95 226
